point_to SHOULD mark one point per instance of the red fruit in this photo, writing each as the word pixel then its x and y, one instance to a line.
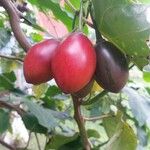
pixel 74 63
pixel 37 63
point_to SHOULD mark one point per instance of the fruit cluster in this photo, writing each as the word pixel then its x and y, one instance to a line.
pixel 74 63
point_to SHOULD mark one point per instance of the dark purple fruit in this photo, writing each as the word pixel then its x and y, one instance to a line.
pixel 112 67
pixel 84 91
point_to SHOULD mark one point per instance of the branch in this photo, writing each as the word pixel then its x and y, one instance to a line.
pixel 98 34
pixel 97 118
pixel 7 145
pixel 11 58
pixel 28 142
pixel 14 20
pixel 37 140
pixel 10 106
pixel 81 123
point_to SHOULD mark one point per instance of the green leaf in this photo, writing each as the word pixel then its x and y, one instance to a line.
pixel 142 136
pixel 112 124
pixel 75 3
pixel 36 37
pixel 54 98
pixel 121 135
pixel 148 90
pixel 59 140
pixel 57 10
pixel 52 91
pixel 139 104
pixel 9 65
pixel 7 80
pixel 46 117
pixel 143 1
pixel 4 38
pixel 32 123
pixel 146 76
pixel 98 108
pixel 127 25
pixel 39 90
pixel 123 139
pixel 93 133
pixel 1 23
pixel 4 121
pixel 146 73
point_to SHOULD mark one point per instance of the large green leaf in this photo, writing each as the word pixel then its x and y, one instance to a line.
pixel 4 121
pixel 46 117
pixel 121 135
pixel 59 140
pixel 127 25
pixel 123 139
pixel 57 10
pixel 32 123
pixel 140 106
pixel 112 124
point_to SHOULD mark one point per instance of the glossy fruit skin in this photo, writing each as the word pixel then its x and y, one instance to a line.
pixel 85 90
pixel 37 62
pixel 112 67
pixel 74 63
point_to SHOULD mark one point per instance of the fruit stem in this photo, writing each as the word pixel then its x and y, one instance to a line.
pixel 98 117
pixel 74 20
pixel 98 34
pixel 80 15
pixel 11 58
pixel 81 122
pixel 87 14
pixel 77 13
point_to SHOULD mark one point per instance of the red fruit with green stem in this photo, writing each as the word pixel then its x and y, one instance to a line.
pixel 37 62
pixel 74 63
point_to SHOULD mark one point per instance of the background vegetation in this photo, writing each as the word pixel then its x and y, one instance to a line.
pixel 113 121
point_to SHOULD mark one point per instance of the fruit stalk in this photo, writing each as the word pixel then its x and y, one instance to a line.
pixel 81 122
pixel 80 15
pixel 98 34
